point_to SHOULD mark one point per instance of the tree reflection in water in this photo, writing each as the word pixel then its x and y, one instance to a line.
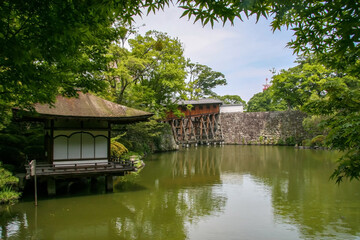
pixel 178 190
pixel 157 204
pixel 301 192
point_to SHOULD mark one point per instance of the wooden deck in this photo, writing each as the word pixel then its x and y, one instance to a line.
pixel 70 170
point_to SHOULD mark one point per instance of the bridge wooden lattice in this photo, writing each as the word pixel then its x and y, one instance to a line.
pixel 200 123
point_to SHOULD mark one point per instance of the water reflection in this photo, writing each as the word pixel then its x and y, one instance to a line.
pixel 231 192
pixel 301 192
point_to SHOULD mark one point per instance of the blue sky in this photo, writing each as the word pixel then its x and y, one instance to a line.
pixel 244 53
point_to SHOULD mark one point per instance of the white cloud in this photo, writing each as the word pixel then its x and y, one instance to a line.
pixel 244 53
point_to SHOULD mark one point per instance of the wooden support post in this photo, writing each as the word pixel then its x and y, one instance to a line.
pixel 212 121
pixel 33 173
pixel 51 186
pixel 35 189
pixel 93 182
pixel 173 128
pixel 109 183
pixel 181 135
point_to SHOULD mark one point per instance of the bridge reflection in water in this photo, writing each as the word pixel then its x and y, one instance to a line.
pixel 248 192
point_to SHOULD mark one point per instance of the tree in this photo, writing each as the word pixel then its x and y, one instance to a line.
pixel 263 102
pixel 328 29
pixel 232 99
pixel 341 104
pixel 297 84
pixel 332 95
pixel 150 74
pixel 166 77
pixel 7 181
pixel 50 47
pixel 54 46
pixel 125 70
pixel 202 79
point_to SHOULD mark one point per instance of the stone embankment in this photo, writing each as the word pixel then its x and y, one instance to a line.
pixel 263 127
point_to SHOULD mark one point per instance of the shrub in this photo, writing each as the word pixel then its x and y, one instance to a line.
pixel 117 149
pixel 8 196
pixel 318 141
pixel 143 137
pixel 314 125
pixel 7 181
pixel 306 142
pixel 21 141
pixel 290 141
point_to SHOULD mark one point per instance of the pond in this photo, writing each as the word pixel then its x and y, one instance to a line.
pixel 222 192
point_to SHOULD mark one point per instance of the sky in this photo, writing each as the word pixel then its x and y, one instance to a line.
pixel 245 53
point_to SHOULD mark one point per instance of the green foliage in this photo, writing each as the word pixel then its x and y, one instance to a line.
pixel 314 125
pixel 202 79
pixel 148 75
pixel 7 182
pixel 341 105
pixel 166 76
pixel 232 99
pixel 280 142
pixel 306 142
pixel 8 196
pixel 327 29
pixel 296 85
pixel 332 99
pixel 43 53
pixel 263 102
pixel 132 155
pixel 211 12
pixel 349 167
pixel 151 74
pixel 142 138
pixel 54 46
pixel 21 141
pixel 318 141
pixel 117 149
pixel 290 141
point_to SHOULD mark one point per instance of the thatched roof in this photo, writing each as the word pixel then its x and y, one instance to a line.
pixel 88 106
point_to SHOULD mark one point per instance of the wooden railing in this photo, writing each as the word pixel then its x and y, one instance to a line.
pixel 42 169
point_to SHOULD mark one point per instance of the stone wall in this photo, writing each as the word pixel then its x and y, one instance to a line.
pixel 167 141
pixel 263 127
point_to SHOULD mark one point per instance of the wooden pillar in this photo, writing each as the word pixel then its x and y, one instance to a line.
pixel 51 186
pixel 109 184
pixel 93 182
pixel 109 142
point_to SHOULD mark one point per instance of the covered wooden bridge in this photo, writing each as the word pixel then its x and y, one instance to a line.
pixel 199 123
pixel 77 138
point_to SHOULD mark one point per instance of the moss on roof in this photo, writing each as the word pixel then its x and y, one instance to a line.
pixel 88 106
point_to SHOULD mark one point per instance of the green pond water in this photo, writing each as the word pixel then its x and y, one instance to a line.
pixel 227 192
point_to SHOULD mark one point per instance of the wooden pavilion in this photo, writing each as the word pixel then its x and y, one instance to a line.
pixel 199 123
pixel 77 138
